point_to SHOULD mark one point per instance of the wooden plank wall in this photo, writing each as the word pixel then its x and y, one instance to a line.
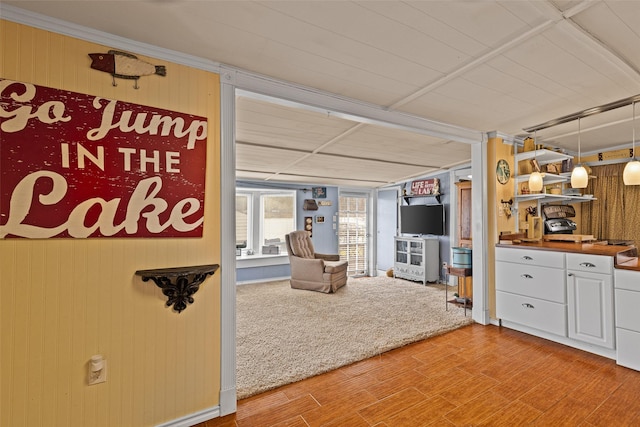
pixel 64 300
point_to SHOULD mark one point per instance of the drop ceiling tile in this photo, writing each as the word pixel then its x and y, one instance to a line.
pixel 266 123
pixel 354 23
pixel 263 159
pixel 616 24
pixel 412 16
pixel 375 142
pixel 488 22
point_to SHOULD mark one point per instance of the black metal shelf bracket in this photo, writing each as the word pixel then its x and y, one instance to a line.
pixel 179 284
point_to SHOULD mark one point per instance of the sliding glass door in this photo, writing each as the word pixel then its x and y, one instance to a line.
pixel 353 232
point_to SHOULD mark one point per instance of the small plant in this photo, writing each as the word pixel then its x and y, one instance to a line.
pixel 455 294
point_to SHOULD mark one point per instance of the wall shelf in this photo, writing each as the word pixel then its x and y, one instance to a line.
pixel 548 198
pixel 543 156
pixel 178 284
pixel 408 197
pixel 547 178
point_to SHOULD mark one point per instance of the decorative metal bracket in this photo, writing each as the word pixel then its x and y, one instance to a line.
pixel 179 283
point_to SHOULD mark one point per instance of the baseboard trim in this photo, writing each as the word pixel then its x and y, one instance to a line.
pixel 193 419
pixel 265 280
pixel 228 401
pixel 590 348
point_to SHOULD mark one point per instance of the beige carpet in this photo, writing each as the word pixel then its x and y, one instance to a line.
pixel 285 335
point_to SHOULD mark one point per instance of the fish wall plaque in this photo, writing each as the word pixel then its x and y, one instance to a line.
pixel 124 66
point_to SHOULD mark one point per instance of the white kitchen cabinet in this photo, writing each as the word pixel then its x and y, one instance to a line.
pixel 565 297
pixel 530 289
pixel 417 258
pixel 627 299
pixel 590 299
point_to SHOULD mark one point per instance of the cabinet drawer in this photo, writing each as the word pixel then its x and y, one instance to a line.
pixel 533 281
pixel 628 310
pixel 543 315
pixel 590 263
pixel 626 279
pixel 628 348
pixel 531 257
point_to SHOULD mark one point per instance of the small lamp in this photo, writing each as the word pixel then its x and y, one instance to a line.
pixel 579 175
pixel 535 179
pixel 631 174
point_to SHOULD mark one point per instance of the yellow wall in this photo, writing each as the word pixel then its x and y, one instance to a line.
pixel 64 300
pixel 499 221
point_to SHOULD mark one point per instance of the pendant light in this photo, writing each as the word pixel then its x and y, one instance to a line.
pixel 535 179
pixel 579 176
pixel 631 174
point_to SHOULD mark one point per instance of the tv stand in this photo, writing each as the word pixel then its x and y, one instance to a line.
pixel 417 258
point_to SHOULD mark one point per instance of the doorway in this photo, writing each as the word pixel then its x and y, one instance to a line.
pixel 353 232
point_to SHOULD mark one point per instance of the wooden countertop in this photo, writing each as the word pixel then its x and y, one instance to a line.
pixel 626 257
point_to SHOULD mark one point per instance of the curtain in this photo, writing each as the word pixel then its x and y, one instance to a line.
pixel 615 214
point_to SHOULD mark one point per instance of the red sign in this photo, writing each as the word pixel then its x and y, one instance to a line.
pixel 425 187
pixel 75 165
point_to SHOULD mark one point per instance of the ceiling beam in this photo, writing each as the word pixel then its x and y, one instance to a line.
pixel 298 96
pixel 585 113
pixel 345 156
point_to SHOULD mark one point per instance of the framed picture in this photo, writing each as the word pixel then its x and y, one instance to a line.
pixel 319 192
pixel 319 219
pixel 308 225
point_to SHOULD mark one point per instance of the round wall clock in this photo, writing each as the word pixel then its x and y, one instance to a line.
pixel 503 173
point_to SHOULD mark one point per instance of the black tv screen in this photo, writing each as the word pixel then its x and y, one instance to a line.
pixel 422 219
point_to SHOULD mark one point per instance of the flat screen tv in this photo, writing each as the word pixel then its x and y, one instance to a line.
pixel 422 219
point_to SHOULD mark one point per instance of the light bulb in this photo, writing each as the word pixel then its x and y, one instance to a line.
pixel 579 177
pixel 631 174
pixel 535 181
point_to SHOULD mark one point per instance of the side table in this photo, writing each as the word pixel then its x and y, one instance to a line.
pixel 458 272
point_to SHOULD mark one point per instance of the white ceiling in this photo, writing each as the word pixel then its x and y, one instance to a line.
pixel 482 65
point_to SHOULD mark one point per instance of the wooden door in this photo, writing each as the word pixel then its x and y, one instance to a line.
pixel 465 285
pixel 464 214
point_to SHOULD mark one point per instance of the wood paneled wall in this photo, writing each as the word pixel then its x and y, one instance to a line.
pixel 64 300
pixel 498 220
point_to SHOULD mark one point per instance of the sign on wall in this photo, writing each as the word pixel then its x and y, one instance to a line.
pixel 76 165
pixel 426 187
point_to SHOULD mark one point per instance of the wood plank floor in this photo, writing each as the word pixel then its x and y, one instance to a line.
pixel 476 375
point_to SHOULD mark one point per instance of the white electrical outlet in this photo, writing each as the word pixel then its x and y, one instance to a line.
pixel 97 370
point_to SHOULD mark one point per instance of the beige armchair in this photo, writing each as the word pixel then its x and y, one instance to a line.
pixel 313 271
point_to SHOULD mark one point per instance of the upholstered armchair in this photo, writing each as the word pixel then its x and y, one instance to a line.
pixel 313 271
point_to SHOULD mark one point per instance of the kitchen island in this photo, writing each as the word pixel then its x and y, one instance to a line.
pixel 564 291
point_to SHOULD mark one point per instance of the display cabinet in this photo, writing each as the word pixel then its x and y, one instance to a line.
pixel 417 258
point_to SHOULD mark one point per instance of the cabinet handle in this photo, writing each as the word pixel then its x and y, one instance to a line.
pixel 527 305
pixel 570 274
pixel 527 258
pixel 526 276
pixel 587 264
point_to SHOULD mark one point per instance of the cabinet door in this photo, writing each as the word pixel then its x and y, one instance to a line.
pixel 590 307
pixel 464 213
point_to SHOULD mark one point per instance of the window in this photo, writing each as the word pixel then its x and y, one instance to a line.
pixel 263 217
pixel 243 221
